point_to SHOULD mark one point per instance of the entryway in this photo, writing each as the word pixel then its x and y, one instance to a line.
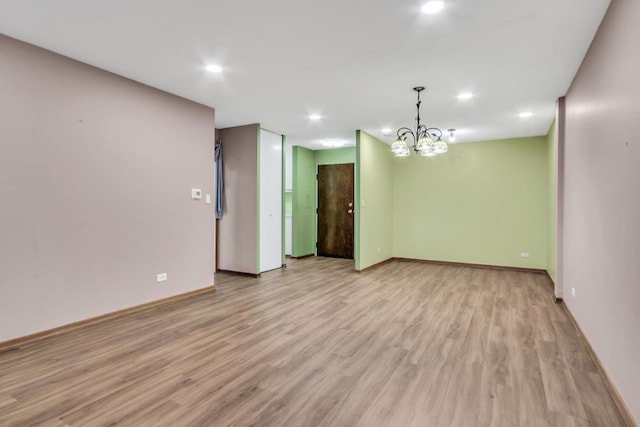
pixel 335 210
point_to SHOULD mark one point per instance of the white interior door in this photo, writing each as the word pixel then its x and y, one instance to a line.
pixel 270 200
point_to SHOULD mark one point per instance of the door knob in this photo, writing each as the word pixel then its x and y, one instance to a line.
pixel 350 211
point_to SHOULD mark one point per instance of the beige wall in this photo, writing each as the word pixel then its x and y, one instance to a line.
pixel 601 198
pixel 374 201
pixel 238 228
pixel 95 179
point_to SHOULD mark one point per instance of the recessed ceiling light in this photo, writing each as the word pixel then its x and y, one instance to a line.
pixel 432 7
pixel 333 143
pixel 465 95
pixel 315 116
pixel 214 68
pixel 387 131
pixel 526 114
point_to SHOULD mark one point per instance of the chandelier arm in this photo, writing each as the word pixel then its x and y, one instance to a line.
pixel 402 133
pixel 421 131
pixel 437 134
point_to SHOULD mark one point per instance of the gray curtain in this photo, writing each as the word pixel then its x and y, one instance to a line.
pixel 219 182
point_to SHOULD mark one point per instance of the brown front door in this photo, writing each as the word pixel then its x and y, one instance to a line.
pixel 335 210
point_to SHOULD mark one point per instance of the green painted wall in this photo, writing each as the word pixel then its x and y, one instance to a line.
pixel 551 201
pixel 335 156
pixel 374 194
pixel 288 203
pixel 303 202
pixel 481 203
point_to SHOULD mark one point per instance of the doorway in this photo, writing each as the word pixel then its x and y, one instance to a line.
pixel 335 210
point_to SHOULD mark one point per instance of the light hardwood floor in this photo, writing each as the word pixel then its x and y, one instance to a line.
pixel 317 344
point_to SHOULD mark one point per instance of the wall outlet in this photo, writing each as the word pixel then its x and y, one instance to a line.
pixel 378 250
pixel 162 277
pixel 524 254
pixel 573 292
pixel 196 194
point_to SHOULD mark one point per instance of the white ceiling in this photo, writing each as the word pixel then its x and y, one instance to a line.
pixel 352 61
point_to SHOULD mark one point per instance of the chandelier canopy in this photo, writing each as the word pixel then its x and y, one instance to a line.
pixel 426 141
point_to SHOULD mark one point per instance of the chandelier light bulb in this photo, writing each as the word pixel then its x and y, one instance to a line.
pixel 440 147
pixel 428 153
pixel 404 153
pixel 398 147
pixel 422 144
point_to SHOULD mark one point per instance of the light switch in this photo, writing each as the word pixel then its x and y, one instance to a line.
pixel 207 199
pixel 196 194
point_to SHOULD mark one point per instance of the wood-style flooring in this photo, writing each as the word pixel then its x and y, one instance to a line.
pixel 316 344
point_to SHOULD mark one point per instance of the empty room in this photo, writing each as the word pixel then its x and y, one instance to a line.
pixel 339 213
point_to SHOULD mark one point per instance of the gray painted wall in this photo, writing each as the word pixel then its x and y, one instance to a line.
pixel 601 198
pixel 95 179
pixel 238 228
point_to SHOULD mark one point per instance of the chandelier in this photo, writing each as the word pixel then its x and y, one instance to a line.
pixel 424 140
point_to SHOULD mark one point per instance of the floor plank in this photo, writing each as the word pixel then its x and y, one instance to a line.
pixel 316 344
